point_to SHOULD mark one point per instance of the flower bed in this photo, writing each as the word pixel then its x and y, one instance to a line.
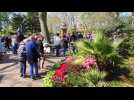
pixel 61 74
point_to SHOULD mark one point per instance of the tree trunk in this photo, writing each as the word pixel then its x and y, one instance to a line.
pixel 132 13
pixel 43 25
pixel 117 14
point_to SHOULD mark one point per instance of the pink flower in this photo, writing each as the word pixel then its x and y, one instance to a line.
pixel 89 62
pixel 69 59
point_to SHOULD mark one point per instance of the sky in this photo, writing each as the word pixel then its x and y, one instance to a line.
pixel 60 14
pixel 126 14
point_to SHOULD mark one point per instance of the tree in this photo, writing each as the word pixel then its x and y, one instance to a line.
pixel 53 22
pixel 16 21
pixel 4 19
pixel 105 21
pixel 43 25
pixel 33 22
pixel 132 13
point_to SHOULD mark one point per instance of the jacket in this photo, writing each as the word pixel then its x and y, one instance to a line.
pixel 21 52
pixel 32 51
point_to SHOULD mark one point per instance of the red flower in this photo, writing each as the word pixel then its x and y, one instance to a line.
pixel 60 73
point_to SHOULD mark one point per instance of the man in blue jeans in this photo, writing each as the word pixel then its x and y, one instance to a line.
pixel 32 57
pixel 57 44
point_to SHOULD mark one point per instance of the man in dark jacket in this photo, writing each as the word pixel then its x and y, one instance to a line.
pixel 65 41
pixel 73 37
pixel 40 49
pixel 32 57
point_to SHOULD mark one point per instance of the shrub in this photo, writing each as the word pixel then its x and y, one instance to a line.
pixel 104 50
pixel 85 79
pixel 47 82
pixel 93 76
pixel 73 80
pixel 55 66
pixel 131 79
pixel 129 63
pixel 127 46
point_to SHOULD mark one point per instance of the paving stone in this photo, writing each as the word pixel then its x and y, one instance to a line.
pixel 10 76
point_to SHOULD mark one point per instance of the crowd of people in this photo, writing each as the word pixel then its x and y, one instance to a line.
pixel 5 43
pixel 33 48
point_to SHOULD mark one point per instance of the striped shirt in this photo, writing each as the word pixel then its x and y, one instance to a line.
pixel 22 51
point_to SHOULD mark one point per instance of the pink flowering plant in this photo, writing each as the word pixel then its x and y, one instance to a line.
pixel 89 63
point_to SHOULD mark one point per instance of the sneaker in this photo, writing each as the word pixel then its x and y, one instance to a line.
pixel 38 76
pixel 33 78
pixel 24 76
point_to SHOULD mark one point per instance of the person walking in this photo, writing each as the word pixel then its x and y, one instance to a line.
pixel 57 43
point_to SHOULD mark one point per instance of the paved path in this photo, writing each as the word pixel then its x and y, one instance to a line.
pixel 10 76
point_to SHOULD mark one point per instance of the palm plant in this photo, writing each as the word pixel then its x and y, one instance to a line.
pixel 104 50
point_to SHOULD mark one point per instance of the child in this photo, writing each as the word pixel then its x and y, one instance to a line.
pixel 47 51
pixel 47 48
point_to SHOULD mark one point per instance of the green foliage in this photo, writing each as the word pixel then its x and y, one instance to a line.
pixel 77 81
pixel 118 84
pixel 53 21
pixel 47 82
pixel 129 64
pixel 85 79
pixel 84 48
pixel 127 47
pixel 31 21
pixel 131 79
pixel 104 50
pixel 54 67
pixel 5 32
pixel 16 21
pixel 4 19
pixel 73 80
pixel 94 76
pixel 33 24
pixel 105 21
